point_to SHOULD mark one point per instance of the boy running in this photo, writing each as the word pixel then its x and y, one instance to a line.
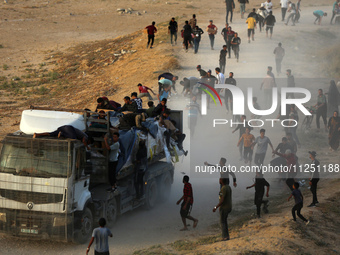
pixel 298 202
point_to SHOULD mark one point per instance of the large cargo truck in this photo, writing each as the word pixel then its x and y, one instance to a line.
pixel 55 188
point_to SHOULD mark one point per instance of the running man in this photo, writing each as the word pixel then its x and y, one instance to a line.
pixel 251 28
pixel 235 43
pixel 172 30
pixel 223 56
pixel 262 142
pixel 186 205
pixel 298 203
pixel 212 30
pixel 269 21
pixel 259 185
pixel 292 10
pixel 248 140
pixel 151 34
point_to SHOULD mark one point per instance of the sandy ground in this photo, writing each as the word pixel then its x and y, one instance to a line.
pixel 78 22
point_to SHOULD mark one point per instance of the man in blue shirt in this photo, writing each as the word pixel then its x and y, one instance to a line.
pixel 319 14
pixel 100 235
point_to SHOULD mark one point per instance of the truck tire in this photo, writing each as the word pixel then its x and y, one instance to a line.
pixel 151 193
pixel 84 233
pixel 165 187
pixel 111 212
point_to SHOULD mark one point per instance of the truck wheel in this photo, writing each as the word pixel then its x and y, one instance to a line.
pixel 165 189
pixel 84 233
pixel 151 194
pixel 111 212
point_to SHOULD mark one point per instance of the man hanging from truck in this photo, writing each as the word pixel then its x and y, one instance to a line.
pixel 141 165
pixel 112 144
pixel 172 131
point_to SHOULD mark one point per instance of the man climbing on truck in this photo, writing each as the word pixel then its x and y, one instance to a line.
pixel 68 131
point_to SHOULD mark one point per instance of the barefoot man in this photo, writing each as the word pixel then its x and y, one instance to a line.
pixel 186 205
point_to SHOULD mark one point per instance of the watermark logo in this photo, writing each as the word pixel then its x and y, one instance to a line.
pixel 239 99
pixel 204 98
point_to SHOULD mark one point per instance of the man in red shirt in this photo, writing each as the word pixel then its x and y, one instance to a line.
pixel 151 34
pixel 212 30
pixel 144 91
pixel 186 205
pixel 291 161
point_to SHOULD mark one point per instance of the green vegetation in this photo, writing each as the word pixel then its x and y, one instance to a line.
pixel 5 67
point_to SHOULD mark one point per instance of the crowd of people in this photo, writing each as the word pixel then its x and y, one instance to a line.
pixel 132 113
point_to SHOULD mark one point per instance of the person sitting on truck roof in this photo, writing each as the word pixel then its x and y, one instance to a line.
pixel 68 131
pixel 104 104
pixel 129 106
pixel 150 110
pixel 160 108
pixel 138 101
pixel 112 144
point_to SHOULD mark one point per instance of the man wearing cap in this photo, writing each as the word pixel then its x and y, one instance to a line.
pixel 313 181
pixel 212 30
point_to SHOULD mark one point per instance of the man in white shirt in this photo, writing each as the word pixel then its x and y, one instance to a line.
pixel 219 78
pixel 292 10
pixel 284 6
pixel 268 5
